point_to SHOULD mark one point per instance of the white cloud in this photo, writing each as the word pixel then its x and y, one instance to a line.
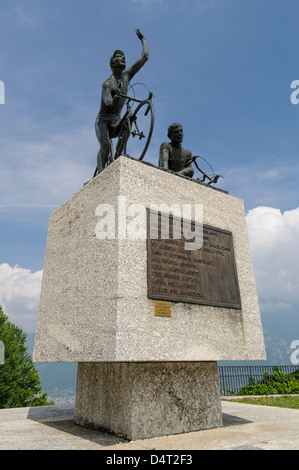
pixel 19 295
pixel 24 17
pixel 274 245
pixel 190 9
pixel 257 185
pixel 46 172
pixel 275 251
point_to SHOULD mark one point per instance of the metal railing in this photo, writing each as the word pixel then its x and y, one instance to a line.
pixel 233 378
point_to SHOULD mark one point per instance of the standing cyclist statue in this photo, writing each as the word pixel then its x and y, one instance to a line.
pixel 111 101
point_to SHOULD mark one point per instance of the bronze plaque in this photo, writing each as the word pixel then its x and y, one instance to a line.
pixel 205 276
pixel 162 309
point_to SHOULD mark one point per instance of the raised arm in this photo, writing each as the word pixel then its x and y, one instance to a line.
pixel 144 56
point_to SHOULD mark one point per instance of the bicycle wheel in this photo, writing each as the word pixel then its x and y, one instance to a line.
pixel 141 129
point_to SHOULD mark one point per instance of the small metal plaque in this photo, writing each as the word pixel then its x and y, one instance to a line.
pixel 162 309
pixel 205 276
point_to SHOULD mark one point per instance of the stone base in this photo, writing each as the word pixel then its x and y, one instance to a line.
pixel 145 399
pixel 94 304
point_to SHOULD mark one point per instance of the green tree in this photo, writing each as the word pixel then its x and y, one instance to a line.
pixel 20 385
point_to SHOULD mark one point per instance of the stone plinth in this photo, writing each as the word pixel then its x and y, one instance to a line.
pixel 94 305
pixel 144 400
pixel 140 374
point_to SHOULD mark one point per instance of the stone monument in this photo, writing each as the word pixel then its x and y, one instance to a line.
pixel 146 321
pixel 147 283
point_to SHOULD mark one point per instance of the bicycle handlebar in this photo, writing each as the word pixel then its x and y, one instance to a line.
pixel 135 99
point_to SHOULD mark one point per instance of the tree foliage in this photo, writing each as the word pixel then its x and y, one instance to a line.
pixel 20 385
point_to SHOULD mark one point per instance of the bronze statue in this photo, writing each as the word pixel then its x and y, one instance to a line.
pixel 112 101
pixel 172 155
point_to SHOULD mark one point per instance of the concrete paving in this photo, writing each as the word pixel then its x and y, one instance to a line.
pixel 246 427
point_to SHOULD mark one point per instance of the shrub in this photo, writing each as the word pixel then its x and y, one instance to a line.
pixel 275 384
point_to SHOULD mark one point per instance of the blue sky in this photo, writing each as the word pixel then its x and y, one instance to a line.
pixel 223 68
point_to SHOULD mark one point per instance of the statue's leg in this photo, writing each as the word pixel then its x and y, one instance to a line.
pixel 102 134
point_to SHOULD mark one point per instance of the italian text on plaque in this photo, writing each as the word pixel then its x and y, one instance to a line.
pixel 207 275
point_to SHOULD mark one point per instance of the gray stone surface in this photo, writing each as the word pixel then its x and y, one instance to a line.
pixel 244 426
pixel 94 304
pixel 143 400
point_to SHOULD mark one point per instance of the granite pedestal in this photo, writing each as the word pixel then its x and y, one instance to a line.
pixel 138 400
pixel 94 308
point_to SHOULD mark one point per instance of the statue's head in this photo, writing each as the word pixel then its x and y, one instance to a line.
pixel 175 132
pixel 118 60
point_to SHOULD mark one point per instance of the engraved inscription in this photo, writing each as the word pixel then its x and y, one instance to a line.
pixel 162 309
pixel 204 276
